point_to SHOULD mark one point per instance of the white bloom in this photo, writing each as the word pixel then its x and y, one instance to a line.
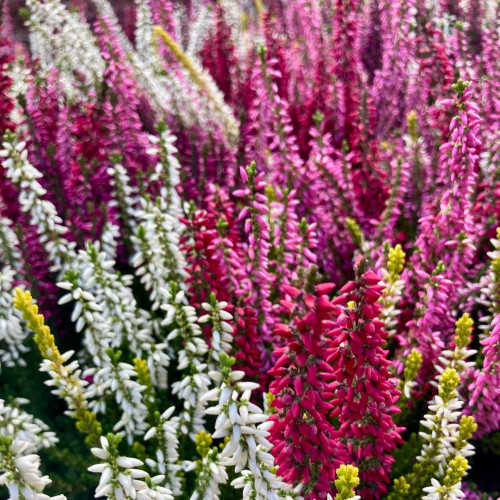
pixel 120 477
pixel 23 435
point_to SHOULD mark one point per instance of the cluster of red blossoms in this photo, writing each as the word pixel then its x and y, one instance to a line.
pixel 334 395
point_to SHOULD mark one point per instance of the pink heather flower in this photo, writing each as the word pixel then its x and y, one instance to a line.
pixel 363 390
pixel 328 194
pixel 430 329
pixel 126 134
pixel 306 447
pixel 257 285
pixel 448 231
pixel 484 401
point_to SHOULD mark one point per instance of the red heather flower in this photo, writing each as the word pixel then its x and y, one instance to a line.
pixel 306 447
pixel 247 343
pixel 212 246
pixel 364 394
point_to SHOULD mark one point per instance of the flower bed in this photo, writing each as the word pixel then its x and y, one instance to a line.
pixel 252 249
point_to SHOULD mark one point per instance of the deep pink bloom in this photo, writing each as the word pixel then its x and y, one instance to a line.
pixel 306 445
pixel 363 392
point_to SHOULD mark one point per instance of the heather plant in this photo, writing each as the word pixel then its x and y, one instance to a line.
pixel 252 249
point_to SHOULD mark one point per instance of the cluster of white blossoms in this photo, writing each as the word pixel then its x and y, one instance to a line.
pixel 391 298
pixel 238 419
pixel 121 478
pixel 117 378
pixel 394 285
pixel 246 426
pixel 62 39
pixel 152 227
pixel 21 436
pixel 12 334
pixel 446 438
pixel 166 455
pixel 222 330
pixel 191 358
pixel 457 358
pixel 159 259
pixel 43 214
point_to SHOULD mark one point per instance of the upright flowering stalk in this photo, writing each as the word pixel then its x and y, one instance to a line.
pixel 258 284
pixel 490 285
pixel 182 321
pixel 65 378
pixel 166 457
pixel 444 441
pixel 62 39
pixel 126 132
pixel 242 422
pixel 306 447
pixel 447 232
pixel 432 323
pixel 456 356
pixel 364 394
pixel 44 217
pixel 210 95
pixel 247 449
pixel 329 196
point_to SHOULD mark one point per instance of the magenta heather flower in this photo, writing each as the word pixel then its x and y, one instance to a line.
pixel 306 447
pixel 126 133
pixel 363 390
pixel 432 321
pixel 484 400
pixel 257 285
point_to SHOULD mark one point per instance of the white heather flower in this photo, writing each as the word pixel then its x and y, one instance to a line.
pixel 9 244
pixel 199 28
pixel 489 295
pixel 21 436
pixel 159 259
pixel 195 382
pixel 166 455
pixel 438 492
pixel 43 214
pixel 61 38
pixel 390 300
pixel 222 330
pixel 441 422
pixel 66 382
pixel 116 378
pixel 16 423
pixel 12 334
pixel 122 478
pixel 212 473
